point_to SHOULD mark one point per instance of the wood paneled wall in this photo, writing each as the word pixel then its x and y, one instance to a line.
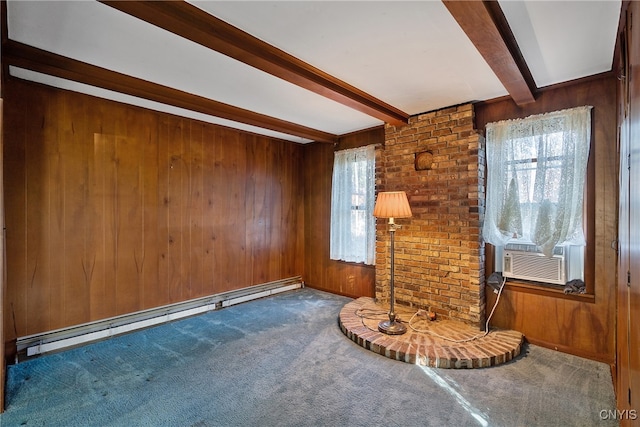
pixel 320 272
pixel 582 327
pixel 3 271
pixel 112 209
pixel 628 290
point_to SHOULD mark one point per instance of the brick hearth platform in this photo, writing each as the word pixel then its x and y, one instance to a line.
pixel 359 321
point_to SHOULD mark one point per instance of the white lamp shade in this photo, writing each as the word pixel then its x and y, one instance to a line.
pixel 392 204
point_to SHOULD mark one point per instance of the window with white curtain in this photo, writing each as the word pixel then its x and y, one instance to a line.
pixel 536 173
pixel 352 201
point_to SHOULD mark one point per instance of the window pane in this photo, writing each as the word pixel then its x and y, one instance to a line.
pixel 536 172
pixel 352 199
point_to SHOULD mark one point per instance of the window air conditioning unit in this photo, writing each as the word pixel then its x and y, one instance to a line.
pixel 527 263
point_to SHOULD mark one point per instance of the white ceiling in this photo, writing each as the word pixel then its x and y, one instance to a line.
pixel 411 55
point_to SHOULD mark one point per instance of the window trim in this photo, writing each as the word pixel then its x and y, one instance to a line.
pixel 524 286
pixel 369 199
pixel 589 220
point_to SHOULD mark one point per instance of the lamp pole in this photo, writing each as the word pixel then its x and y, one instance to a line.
pixel 391 327
pixel 392 204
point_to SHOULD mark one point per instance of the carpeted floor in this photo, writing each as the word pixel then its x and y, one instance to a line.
pixel 283 361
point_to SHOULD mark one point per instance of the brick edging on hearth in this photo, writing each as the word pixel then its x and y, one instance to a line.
pixel 422 349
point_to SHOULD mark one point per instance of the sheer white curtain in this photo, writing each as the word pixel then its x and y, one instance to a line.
pixel 352 199
pixel 536 170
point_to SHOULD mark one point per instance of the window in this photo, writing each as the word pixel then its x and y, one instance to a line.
pixel 536 172
pixel 352 201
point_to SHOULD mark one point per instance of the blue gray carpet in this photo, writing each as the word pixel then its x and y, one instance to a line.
pixel 283 361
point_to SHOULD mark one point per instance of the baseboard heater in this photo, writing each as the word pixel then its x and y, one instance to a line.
pixel 59 339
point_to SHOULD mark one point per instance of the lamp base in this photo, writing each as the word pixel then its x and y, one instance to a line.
pixel 392 327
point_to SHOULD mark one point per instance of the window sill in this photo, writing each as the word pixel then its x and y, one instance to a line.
pixel 353 263
pixel 530 288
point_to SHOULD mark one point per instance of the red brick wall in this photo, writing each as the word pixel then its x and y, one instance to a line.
pixel 439 255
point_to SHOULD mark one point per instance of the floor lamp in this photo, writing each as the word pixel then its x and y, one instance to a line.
pixel 392 204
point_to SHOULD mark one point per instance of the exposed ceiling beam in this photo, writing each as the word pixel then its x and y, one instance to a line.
pixel 192 23
pixel 487 28
pixel 31 58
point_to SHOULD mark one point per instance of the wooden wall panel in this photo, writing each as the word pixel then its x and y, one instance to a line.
pixel 94 262
pixel 196 209
pixel 3 365
pixel 153 289
pixel 163 205
pixel 208 211
pixel 54 190
pixel 293 254
pixel 2 239
pixel 14 148
pixel 321 272
pixel 582 327
pixel 74 186
pixel 229 195
pixel 258 220
pixel 38 167
pixel 176 194
pixel 115 209
pixel 628 288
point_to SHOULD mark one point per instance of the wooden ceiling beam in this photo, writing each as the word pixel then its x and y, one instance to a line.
pixel 487 28
pixel 192 23
pixel 31 58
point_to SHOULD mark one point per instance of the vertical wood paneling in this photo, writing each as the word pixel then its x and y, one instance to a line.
pixel 95 258
pixel 38 217
pixel 3 293
pixel 321 272
pixel 257 228
pixel 134 132
pixel 224 195
pixel 115 209
pixel 195 209
pixel 164 203
pixel 176 194
pixel 54 190
pixel 292 253
pixel 229 223
pixel 128 216
pixel 273 211
pixel 585 328
pixel 14 176
pixel 108 201
pixel 209 276
pixel 628 289
pixel 318 163
pixel 153 288
pixel 75 153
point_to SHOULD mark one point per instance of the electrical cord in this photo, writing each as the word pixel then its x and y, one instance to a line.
pixel 371 314
pixel 484 334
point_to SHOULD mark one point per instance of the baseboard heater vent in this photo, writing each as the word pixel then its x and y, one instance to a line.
pixel 60 339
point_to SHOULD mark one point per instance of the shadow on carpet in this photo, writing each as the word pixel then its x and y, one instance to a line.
pixel 283 361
